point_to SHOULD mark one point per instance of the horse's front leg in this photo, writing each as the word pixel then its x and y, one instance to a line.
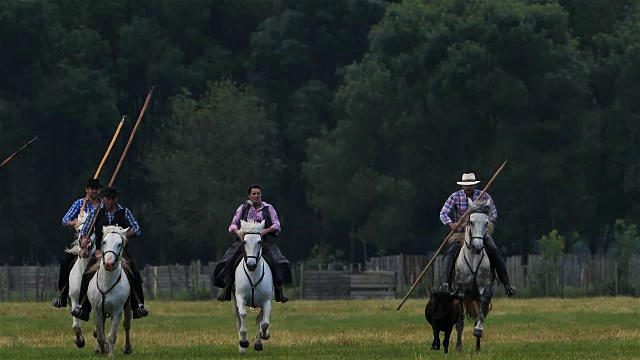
pixel 113 333
pixel 243 342
pixel 127 327
pixel 77 329
pixel 445 342
pixel 101 346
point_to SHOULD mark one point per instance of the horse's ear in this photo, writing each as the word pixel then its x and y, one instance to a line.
pixel 261 224
pixel 430 289
pixel 470 202
pixel 243 224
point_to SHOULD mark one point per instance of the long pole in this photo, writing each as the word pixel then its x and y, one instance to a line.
pixel 135 128
pixel 448 237
pixel 17 151
pixel 113 178
pixel 104 158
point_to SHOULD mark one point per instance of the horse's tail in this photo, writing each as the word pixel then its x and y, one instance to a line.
pixel 471 308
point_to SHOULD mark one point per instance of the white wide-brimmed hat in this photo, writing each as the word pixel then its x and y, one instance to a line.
pixel 468 179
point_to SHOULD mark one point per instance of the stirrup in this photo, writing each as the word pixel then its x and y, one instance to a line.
pixel 511 290
pixel 224 296
pixel 282 298
pixel 445 287
pixel 59 302
pixel 79 313
pixel 140 312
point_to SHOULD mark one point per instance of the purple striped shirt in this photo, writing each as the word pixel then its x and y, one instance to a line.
pixel 255 215
pixel 457 203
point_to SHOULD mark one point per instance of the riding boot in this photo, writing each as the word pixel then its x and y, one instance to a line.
pixel 83 309
pixel 137 297
pixel 225 295
pixel 279 293
pixel 497 260
pixel 63 281
pixel 448 266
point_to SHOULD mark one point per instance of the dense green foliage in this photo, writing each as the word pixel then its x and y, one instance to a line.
pixel 357 117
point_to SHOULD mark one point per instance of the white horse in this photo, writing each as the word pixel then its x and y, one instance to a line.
pixel 109 291
pixel 253 286
pixel 473 274
pixel 75 277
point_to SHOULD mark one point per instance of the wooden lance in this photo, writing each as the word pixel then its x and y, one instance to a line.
pixel 124 153
pixel 18 151
pixel 448 237
pixel 104 158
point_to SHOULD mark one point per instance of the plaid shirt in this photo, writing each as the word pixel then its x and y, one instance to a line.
pixel 458 203
pixel 73 213
pixel 127 214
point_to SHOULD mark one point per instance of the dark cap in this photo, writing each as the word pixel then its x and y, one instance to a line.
pixel 110 192
pixel 93 183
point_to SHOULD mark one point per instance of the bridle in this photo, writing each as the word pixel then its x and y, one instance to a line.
pixel 246 272
pixel 117 262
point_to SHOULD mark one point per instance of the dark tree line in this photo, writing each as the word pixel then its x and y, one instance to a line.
pixel 356 116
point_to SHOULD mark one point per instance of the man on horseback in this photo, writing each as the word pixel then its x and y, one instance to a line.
pixel 70 219
pixel 111 213
pixel 257 210
pixel 457 203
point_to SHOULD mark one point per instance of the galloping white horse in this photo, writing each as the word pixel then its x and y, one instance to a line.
pixel 109 291
pixel 75 277
pixel 253 286
pixel 473 275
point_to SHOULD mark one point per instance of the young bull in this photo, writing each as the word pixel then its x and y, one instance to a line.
pixel 442 312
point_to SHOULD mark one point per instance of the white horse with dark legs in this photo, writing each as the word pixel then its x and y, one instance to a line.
pixel 253 286
pixel 473 275
pixel 109 291
pixel 75 279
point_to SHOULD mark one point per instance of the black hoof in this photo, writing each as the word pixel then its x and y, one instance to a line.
pixel 258 347
pixel 244 344
pixel 80 344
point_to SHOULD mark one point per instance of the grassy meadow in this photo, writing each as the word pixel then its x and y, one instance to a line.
pixel 587 328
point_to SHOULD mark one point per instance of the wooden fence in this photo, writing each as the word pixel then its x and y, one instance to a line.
pixel 572 274
pixel 382 277
pixel 360 285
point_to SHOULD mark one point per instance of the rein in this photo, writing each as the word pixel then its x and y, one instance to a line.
pixel 244 267
pixel 104 293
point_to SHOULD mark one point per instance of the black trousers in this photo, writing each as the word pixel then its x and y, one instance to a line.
pixel 495 258
pixel 281 269
pixel 136 282
pixel 65 270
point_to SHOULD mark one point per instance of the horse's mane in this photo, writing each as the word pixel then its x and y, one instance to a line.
pixel 75 246
pixel 482 205
pixel 247 227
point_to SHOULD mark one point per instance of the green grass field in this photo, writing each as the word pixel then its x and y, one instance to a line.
pixel 588 328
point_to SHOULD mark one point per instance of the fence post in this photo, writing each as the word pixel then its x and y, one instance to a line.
pixel 301 277
pixel 186 278
pixel 37 282
pixel 170 282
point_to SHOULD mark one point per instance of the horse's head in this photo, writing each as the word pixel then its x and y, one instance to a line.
pixel 113 243
pixel 249 234
pixel 477 225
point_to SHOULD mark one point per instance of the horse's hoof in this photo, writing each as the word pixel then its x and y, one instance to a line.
pixel 127 350
pixel 446 350
pixel 80 342
pixel 265 335
pixel 95 334
pixel 243 344
pixel 257 347
pixel 433 347
pixel 477 333
pixel 97 351
pixel 241 350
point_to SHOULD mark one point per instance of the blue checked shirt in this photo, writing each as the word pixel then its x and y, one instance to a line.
pixel 74 211
pixel 127 214
pixel 457 203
